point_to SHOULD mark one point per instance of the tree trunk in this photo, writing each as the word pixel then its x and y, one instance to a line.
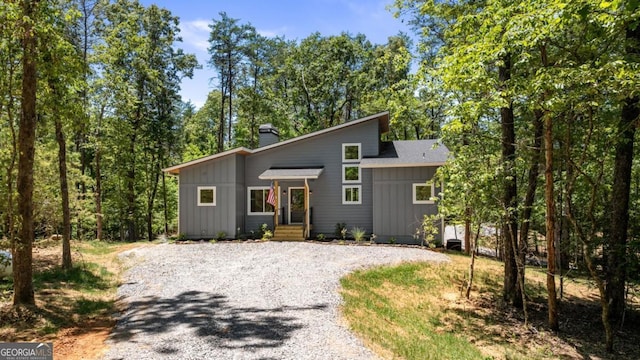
pixel 131 193
pixel 98 174
pixel 511 290
pixel 64 190
pixel 220 144
pixel 615 276
pixel 12 162
pixel 472 263
pixel 467 230
pixel 151 200
pixel 23 244
pixel 550 223
pixel 532 183
pixel 164 203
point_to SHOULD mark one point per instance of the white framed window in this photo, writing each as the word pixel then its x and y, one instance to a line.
pixel 351 194
pixel 423 193
pixel 351 173
pixel 351 152
pixel 257 201
pixel 206 196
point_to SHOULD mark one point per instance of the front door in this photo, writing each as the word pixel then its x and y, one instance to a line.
pixel 296 205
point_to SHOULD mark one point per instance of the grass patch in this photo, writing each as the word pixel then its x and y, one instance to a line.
pixel 417 311
pixel 385 306
pixel 85 277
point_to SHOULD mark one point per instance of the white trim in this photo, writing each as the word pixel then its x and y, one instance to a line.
pixel 289 202
pixel 344 173
pixel 368 165
pixel 344 146
pixel 175 170
pixel 345 187
pixel 215 195
pixel 249 188
pixel 433 189
pixel 276 174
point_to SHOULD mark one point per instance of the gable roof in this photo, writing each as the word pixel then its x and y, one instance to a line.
pixel 408 153
pixel 383 123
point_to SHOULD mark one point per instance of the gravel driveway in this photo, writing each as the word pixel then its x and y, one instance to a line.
pixel 267 300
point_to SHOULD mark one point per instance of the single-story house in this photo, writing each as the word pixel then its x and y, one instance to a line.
pixel 343 174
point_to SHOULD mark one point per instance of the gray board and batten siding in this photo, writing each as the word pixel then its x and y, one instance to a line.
pixel 227 175
pixel 388 172
pixel 321 151
pixel 394 213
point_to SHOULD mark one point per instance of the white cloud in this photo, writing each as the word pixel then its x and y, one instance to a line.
pixel 195 33
pixel 281 31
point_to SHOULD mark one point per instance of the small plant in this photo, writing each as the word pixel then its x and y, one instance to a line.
pixel 358 234
pixel 341 230
pixel 373 238
pixel 221 235
pixel 267 235
pixel 429 230
pixel 321 237
pixel 182 237
pixel 213 241
pixel 392 240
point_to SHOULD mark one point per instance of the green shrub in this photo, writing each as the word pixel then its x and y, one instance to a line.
pixel 321 237
pixel 358 234
pixel 341 230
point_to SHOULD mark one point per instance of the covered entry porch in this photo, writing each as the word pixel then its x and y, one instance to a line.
pixel 292 215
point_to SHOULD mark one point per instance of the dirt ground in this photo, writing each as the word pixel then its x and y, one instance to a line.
pixel 81 337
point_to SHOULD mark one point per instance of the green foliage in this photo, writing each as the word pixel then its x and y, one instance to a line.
pixel 429 228
pixel 321 237
pixel 341 230
pixel 358 234
pixel 221 235
pixel 267 235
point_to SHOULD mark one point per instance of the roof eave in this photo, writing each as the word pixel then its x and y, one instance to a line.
pixel 384 128
pixel 175 170
pixel 401 165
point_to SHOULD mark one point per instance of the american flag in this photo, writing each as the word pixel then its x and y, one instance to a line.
pixel 271 198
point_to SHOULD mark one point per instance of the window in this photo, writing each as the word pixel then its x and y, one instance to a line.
pixel 350 173
pixel 423 192
pixel 257 201
pixel 351 152
pixel 351 194
pixel 206 196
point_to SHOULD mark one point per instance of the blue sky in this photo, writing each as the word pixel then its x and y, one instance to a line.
pixel 293 19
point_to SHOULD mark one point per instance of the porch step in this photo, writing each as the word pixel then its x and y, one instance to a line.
pixel 289 232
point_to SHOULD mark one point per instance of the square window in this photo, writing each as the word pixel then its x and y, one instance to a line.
pixel 351 152
pixel 423 193
pixel 351 195
pixel 350 173
pixel 258 204
pixel 206 196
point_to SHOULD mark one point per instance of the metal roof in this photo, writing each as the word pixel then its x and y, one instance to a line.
pixel 408 153
pixel 291 174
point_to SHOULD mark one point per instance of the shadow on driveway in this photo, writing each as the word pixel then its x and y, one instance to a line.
pixel 208 315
